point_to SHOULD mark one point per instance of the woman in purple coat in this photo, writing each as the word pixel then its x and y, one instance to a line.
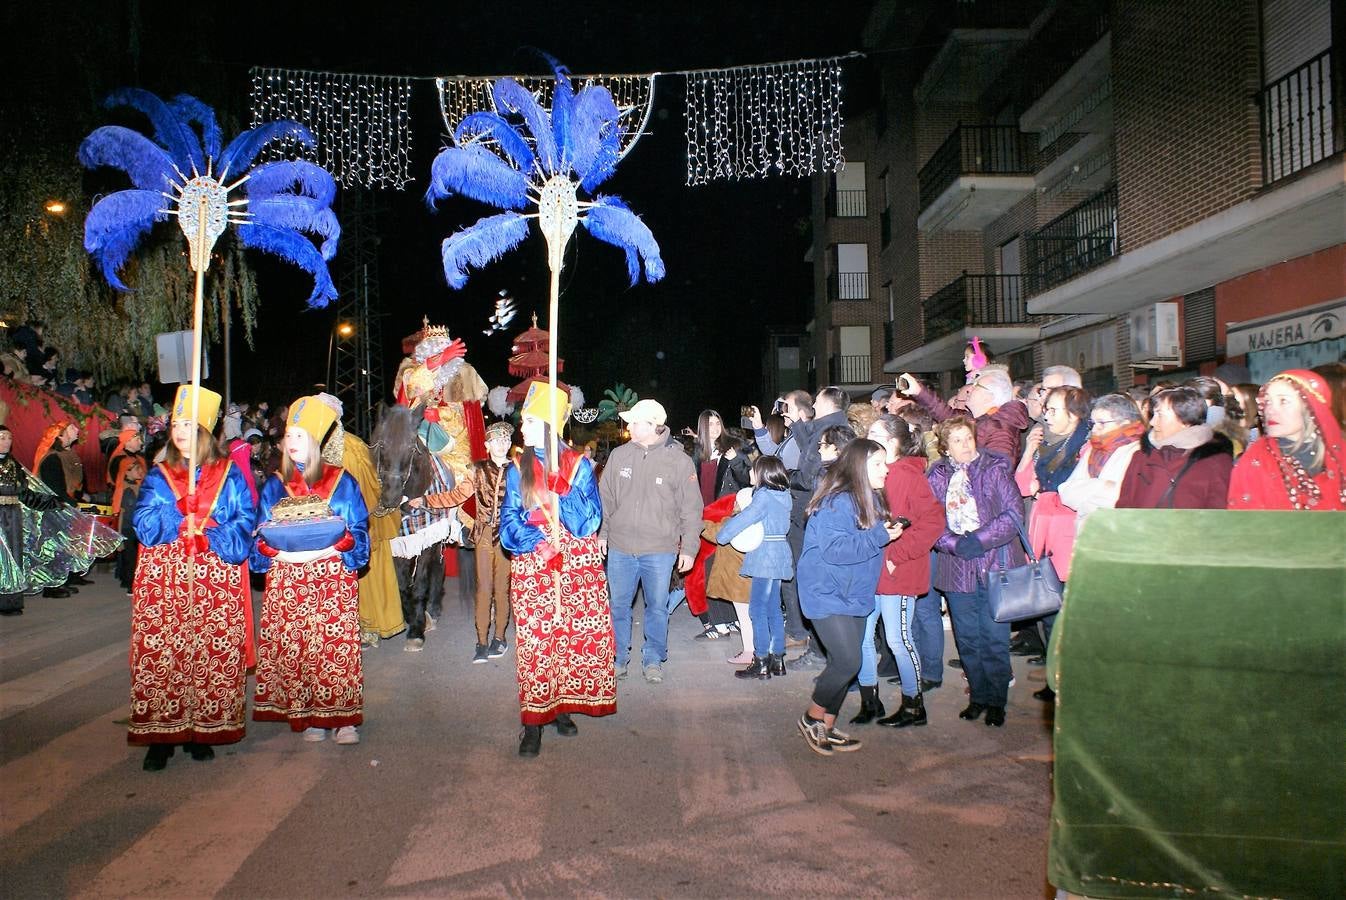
pixel 983 513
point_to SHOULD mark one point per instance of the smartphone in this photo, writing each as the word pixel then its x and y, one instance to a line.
pixel 902 520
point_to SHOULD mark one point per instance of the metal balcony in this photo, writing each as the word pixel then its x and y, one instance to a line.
pixel 976 302
pixel 975 176
pixel 848 286
pixel 847 204
pixel 1082 238
pixel 1301 119
pixel 850 369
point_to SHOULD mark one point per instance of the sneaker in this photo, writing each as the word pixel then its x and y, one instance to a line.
pixel 497 648
pixel 480 656
pixel 654 673
pixel 709 633
pixel 621 670
pixel 810 659
pixel 815 734
pixel 348 734
pixel 314 735
pixel 841 741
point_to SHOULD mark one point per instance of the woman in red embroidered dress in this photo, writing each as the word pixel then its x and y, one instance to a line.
pixel 188 627
pixel 565 653
pixel 1299 462
pixel 308 649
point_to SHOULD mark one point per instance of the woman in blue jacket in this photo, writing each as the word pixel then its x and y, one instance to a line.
pixel 838 575
pixel 768 565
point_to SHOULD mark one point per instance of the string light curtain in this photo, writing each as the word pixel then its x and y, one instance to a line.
pixel 755 121
pixel 362 122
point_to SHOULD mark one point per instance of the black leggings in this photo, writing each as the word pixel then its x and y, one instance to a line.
pixel 841 637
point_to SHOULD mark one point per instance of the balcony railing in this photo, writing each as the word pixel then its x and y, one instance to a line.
pixel 850 369
pixel 846 204
pixel 1300 118
pixel 1076 241
pixel 975 150
pixel 848 286
pixel 976 301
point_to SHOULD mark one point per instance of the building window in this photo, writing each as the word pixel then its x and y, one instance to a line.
pixel 848 192
pixel 849 279
pixel 851 364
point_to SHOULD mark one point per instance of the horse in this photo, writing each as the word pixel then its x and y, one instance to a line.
pixel 406 470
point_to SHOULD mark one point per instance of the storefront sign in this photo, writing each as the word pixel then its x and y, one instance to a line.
pixel 1323 322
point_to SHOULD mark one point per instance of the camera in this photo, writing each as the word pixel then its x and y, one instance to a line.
pixel 778 408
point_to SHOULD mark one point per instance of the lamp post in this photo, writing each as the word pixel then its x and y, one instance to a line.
pixel 342 330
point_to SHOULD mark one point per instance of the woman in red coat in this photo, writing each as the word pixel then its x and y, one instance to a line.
pixel 1299 460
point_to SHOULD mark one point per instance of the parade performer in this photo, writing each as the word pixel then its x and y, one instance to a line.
pixel 485 486
pixel 42 540
pixel 564 647
pixel 187 619
pixel 308 656
pixel 1299 462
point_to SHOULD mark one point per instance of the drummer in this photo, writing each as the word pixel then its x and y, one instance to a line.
pixel 308 649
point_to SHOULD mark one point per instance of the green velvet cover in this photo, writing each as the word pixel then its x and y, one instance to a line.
pixel 1200 732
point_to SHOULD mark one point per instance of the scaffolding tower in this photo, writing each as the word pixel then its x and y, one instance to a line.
pixel 357 333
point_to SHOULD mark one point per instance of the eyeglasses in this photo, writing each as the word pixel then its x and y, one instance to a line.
pixel 1102 423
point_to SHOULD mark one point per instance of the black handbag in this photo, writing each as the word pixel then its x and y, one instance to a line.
pixel 1026 592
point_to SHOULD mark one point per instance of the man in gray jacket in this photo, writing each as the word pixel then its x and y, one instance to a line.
pixel 651 522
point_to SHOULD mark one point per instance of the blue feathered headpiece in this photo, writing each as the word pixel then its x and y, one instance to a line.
pixel 522 156
pixel 181 171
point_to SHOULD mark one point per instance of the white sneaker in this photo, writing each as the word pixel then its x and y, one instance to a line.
pixel 348 734
pixel 314 735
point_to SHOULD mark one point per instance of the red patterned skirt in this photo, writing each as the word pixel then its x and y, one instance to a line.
pixel 188 679
pixel 565 663
pixel 308 647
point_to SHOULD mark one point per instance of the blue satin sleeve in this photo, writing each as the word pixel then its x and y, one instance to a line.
pixel 233 514
pixel 581 507
pixel 156 518
pixel 347 502
pixel 516 535
pixel 272 491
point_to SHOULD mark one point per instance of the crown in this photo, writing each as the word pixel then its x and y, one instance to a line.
pixel 432 331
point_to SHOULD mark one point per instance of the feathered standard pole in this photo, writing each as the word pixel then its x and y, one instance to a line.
pixel 522 157
pixel 285 199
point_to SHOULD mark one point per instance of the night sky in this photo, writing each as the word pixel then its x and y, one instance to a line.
pixel 734 251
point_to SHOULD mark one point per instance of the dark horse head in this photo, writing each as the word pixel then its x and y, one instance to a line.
pixel 403 462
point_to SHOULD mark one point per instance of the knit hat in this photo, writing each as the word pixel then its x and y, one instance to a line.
pixel 207 406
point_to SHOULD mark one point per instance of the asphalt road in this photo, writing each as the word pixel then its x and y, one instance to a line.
pixel 697 787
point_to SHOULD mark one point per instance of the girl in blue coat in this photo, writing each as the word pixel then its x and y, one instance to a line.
pixel 768 565
pixel 838 576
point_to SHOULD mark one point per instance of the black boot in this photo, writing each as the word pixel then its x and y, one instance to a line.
pixel 530 741
pixel 758 668
pixel 156 757
pixel 972 711
pixel 775 663
pixel 1046 695
pixel 995 715
pixel 200 752
pixel 912 712
pixel 566 726
pixel 871 707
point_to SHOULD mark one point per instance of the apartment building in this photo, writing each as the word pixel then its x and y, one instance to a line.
pixel 1138 189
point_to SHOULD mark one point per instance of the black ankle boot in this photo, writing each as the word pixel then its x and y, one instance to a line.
pixel 200 752
pixel 156 757
pixel 972 712
pixel 912 712
pixel 995 715
pixel 566 726
pixel 758 668
pixel 530 741
pixel 871 707
pixel 775 664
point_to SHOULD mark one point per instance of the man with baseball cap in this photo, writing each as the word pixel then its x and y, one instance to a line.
pixel 651 521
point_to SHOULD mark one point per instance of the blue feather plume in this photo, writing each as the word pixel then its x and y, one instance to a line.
pixel 511 96
pixel 611 221
pixel 511 142
pixel 243 149
pixel 297 213
pixel 562 113
pixel 116 224
pixel 482 243
pixel 169 130
pixel 596 142
pixel 191 110
pixel 148 164
pixel 479 174
pixel 291 177
pixel 293 248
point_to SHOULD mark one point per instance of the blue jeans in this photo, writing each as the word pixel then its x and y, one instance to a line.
pixel 768 623
pixel 983 646
pixel 897 611
pixel 651 571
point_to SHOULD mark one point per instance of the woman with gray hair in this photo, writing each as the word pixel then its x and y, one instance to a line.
pixel 998 416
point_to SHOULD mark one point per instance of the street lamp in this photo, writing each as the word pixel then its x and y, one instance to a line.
pixel 55 207
pixel 344 330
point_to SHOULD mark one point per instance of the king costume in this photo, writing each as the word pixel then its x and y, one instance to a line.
pixel 187 601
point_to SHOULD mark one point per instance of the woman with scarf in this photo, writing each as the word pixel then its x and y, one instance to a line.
pixel 187 620
pixel 1298 462
pixel 309 672
pixel 565 652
